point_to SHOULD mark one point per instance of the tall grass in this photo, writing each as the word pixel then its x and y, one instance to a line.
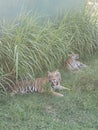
pixel 29 47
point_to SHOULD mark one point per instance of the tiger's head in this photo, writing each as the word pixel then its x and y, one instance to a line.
pixel 73 56
pixel 54 78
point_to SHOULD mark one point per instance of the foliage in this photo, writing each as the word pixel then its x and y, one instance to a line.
pixel 29 47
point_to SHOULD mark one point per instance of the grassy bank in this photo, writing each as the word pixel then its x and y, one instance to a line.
pixel 77 110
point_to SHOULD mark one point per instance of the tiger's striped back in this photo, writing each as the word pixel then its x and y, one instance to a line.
pixel 29 86
pixel 73 64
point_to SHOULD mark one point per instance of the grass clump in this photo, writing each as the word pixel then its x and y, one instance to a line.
pixel 29 48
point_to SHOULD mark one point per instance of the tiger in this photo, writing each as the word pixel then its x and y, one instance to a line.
pixel 37 85
pixel 73 64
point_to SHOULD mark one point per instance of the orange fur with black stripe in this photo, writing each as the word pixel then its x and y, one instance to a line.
pixel 27 86
pixel 73 64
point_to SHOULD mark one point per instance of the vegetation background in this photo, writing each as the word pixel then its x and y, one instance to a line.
pixel 28 48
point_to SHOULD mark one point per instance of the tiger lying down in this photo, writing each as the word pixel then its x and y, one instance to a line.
pixel 73 64
pixel 27 86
